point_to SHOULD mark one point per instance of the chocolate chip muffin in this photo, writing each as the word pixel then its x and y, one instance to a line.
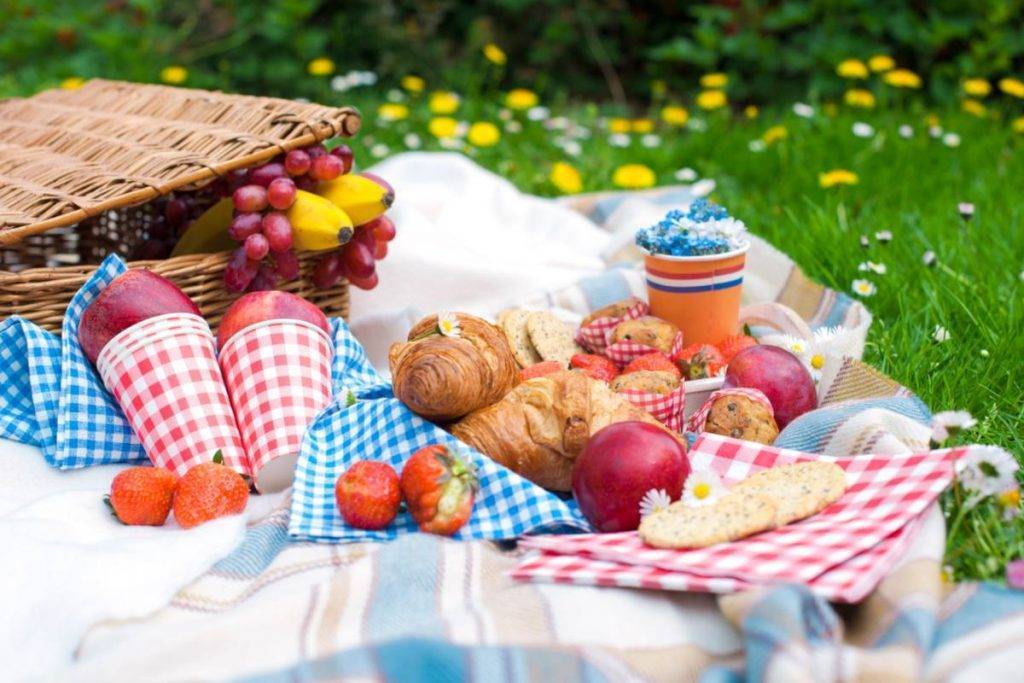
pixel 648 381
pixel 649 331
pixel 741 418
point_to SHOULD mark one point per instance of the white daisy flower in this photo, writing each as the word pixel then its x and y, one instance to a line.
pixel 940 334
pixel 538 113
pixel 697 124
pixel 448 324
pixel 884 236
pixel 906 132
pixel 966 210
pixel 803 110
pixel 650 140
pixel 341 83
pixel 557 123
pixel 570 147
pixel 879 268
pixel 505 114
pixel 581 132
pixel 984 353
pixel 863 287
pixel 379 151
pixel 461 128
pixel 513 127
pixel 928 258
pixel 395 95
pixel 412 141
pixel 686 175
pixel 950 422
pixel 863 130
pixel 864 241
pixel 702 487
pixel 935 131
pixel 757 145
pixel 951 140
pixel 986 471
pixel 452 143
pixel 653 501
pixel 618 140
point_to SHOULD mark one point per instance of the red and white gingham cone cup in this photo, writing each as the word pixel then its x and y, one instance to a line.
pixel 163 372
pixel 278 375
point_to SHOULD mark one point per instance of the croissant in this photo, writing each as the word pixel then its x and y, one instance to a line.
pixel 443 378
pixel 542 425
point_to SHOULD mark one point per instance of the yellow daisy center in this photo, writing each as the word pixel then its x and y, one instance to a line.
pixel 817 361
pixel 702 490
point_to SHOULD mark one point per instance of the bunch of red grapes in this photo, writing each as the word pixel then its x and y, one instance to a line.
pixel 357 260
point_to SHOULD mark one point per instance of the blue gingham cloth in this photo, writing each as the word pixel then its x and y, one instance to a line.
pixel 370 424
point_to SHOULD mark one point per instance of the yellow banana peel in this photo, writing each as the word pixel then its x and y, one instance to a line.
pixel 208 234
pixel 361 198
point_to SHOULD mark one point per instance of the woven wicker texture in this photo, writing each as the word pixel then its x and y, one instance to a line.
pixel 79 168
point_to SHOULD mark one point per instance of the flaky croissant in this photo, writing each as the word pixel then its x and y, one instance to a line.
pixel 542 425
pixel 443 378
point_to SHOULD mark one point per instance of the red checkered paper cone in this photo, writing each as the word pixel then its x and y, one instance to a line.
pixel 666 408
pixel 594 335
pixel 164 374
pixel 278 375
pixel 624 352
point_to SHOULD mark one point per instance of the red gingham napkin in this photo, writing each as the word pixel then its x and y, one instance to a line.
pixel 594 335
pixel 278 375
pixel 666 408
pixel 697 421
pixel 623 352
pixel 885 493
pixel 164 374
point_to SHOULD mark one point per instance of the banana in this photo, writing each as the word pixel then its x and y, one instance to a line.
pixel 317 225
pixel 360 197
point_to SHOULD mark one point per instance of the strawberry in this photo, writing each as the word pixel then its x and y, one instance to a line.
pixel 656 361
pixel 540 369
pixel 142 495
pixel 595 366
pixel 730 346
pixel 439 487
pixel 368 496
pixel 698 361
pixel 209 491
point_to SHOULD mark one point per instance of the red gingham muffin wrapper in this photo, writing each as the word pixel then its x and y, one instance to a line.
pixel 623 352
pixel 697 421
pixel 594 335
pixel 666 408
pixel 278 375
pixel 164 374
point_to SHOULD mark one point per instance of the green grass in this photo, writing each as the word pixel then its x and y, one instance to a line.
pixel 910 187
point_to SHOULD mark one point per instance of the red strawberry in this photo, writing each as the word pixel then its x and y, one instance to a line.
pixel 209 491
pixel 540 369
pixel 439 487
pixel 595 366
pixel 368 496
pixel 142 495
pixel 656 361
pixel 698 361
pixel 730 346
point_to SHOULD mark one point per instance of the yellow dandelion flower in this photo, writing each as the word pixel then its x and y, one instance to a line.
pixel 174 75
pixel 711 99
pixel 641 125
pixel 633 177
pixel 443 127
pixel 837 176
pixel 974 107
pixel 483 134
pixel 751 111
pixel 675 115
pixel 413 84
pixel 658 88
pixel 714 81
pixel 521 98
pixel 858 97
pixel 566 178
pixel 390 111
pixel 1012 86
pixel 932 121
pixel 902 78
pixel 618 125
pixel 1018 124
pixel 831 109
pixel 321 66
pixel 494 54
pixel 775 134
pixel 852 68
pixel 977 87
pixel 443 102
pixel 881 63
pixel 72 83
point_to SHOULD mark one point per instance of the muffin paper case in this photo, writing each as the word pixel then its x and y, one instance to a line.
pixel 696 422
pixel 164 374
pixel 278 376
pixel 666 408
pixel 699 294
pixel 594 335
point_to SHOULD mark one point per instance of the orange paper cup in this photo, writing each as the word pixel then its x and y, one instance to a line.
pixel 698 294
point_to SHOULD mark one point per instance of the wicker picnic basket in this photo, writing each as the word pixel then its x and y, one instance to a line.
pixel 79 170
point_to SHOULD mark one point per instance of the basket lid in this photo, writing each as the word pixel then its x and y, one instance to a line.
pixel 67 155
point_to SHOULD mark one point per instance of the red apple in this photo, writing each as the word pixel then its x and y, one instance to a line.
pixel 780 376
pixel 256 307
pixel 130 298
pixel 619 465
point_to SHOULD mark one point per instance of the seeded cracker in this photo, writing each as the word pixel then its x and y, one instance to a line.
pixel 798 490
pixel 513 323
pixel 552 338
pixel 728 519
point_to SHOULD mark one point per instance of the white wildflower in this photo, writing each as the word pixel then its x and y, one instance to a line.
pixel 412 141
pixel 618 140
pixel 702 487
pixel 949 422
pixel 757 145
pixel 650 140
pixel 863 288
pixel 951 140
pixel 686 175
pixel 803 110
pixel 940 334
pixel 448 324
pixel 653 501
pixel 906 132
pixel 986 471
pixel 863 130
pixel 538 113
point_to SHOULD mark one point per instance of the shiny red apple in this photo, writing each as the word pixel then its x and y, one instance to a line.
pixel 131 297
pixel 619 465
pixel 256 307
pixel 780 376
